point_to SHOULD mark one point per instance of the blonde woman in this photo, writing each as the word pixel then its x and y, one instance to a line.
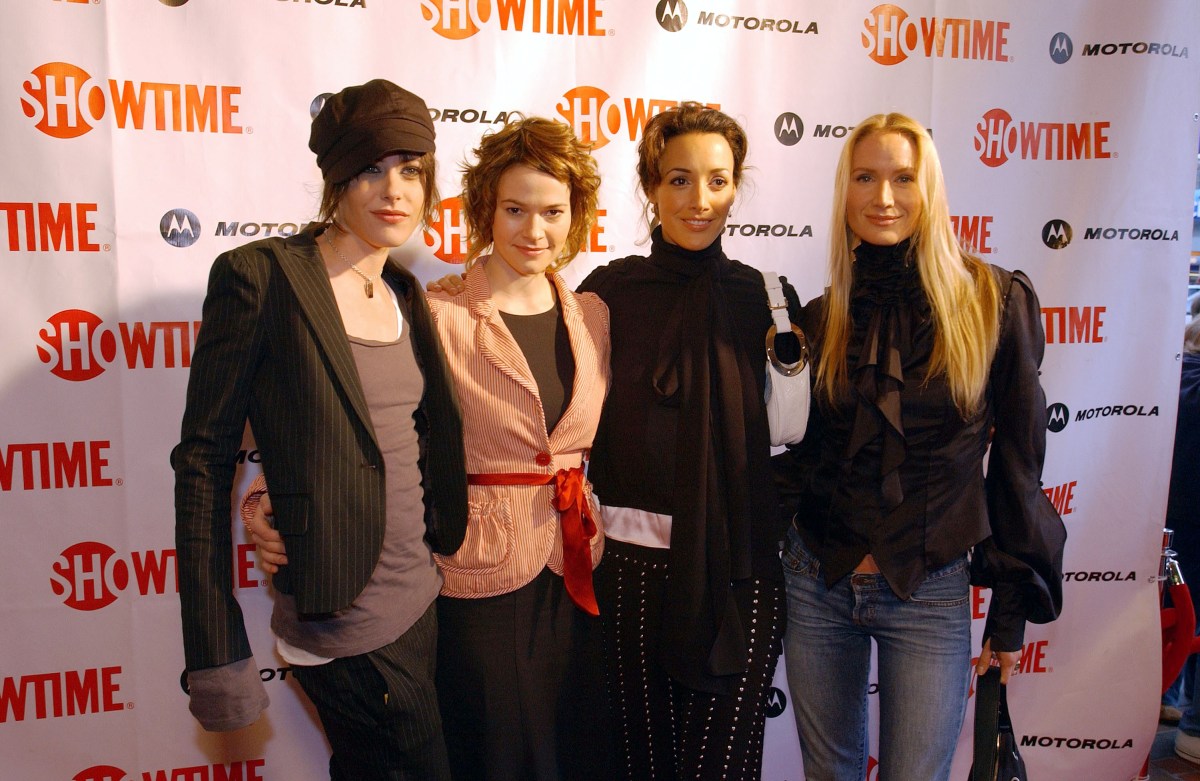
pixel 923 356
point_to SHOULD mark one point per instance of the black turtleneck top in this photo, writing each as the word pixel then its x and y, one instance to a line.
pixel 684 433
pixel 893 469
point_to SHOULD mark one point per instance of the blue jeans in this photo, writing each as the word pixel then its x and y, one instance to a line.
pixel 924 665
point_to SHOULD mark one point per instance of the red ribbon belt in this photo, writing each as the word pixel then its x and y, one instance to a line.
pixel 578 526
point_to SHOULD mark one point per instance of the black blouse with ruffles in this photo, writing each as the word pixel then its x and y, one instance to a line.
pixel 894 470
pixel 684 433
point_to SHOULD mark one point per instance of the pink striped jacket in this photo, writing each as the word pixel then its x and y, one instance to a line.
pixel 514 531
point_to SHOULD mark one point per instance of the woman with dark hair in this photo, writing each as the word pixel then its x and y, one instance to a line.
pixel 529 359
pixel 924 357
pixel 327 347
pixel 690 593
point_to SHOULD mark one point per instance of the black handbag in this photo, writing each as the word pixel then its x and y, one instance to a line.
pixel 996 755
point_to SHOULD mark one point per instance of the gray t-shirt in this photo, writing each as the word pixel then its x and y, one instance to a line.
pixel 406 580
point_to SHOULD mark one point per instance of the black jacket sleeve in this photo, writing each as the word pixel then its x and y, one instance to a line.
pixel 1022 562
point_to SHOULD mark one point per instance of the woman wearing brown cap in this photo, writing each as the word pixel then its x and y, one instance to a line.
pixel 327 347
pixel 518 675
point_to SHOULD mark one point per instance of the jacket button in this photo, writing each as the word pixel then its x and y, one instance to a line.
pixel 543 459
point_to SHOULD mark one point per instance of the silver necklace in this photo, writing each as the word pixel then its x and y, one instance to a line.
pixel 368 282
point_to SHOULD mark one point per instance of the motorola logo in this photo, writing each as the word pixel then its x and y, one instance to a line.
pixel 1056 234
pixel 1061 48
pixel 776 703
pixel 179 228
pixel 789 129
pixel 1057 417
pixel 173 3
pixel 671 15
pixel 318 103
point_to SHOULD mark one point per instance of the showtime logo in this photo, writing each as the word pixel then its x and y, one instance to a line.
pixel 446 237
pixel 48 465
pixel 1073 324
pixel 997 137
pixel 595 117
pixel 80 347
pixel 974 232
pixel 459 19
pixel 890 36
pixel 61 694
pixel 90 575
pixel 50 227
pixel 245 770
pixel 1062 497
pixel 64 101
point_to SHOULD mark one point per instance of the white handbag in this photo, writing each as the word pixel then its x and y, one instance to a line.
pixel 788 390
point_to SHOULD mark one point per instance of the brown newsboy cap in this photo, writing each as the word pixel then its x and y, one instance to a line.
pixel 359 125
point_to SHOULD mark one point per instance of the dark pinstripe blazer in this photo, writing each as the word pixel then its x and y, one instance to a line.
pixel 273 349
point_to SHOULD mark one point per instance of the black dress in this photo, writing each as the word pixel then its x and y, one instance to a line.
pixel 684 434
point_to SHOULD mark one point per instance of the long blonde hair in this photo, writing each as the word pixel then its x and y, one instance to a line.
pixel 962 293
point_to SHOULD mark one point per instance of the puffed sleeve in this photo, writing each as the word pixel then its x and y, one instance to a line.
pixel 227 354
pixel 1022 561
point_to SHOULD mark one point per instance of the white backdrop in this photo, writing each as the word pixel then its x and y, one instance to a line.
pixel 143 138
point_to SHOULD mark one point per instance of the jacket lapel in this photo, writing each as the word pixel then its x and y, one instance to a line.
pixel 584 350
pixel 496 342
pixel 306 272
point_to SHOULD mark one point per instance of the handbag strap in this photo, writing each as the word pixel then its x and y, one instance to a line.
pixel 778 304
pixel 991 704
pixel 782 325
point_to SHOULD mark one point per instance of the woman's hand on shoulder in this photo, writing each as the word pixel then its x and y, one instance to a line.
pixel 451 284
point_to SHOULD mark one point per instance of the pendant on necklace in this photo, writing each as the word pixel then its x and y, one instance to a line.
pixel 369 287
